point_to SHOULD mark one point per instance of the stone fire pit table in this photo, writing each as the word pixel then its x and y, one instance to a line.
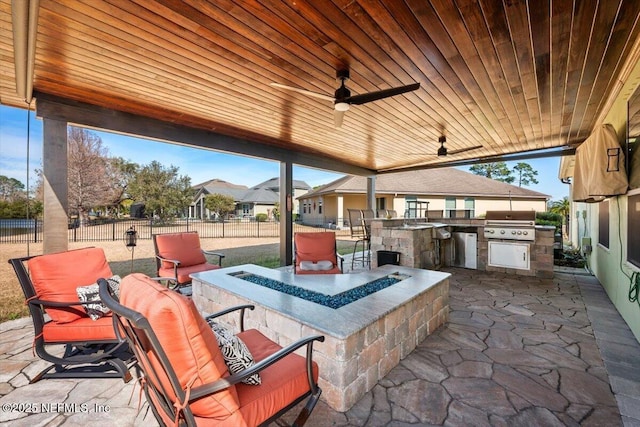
pixel 369 325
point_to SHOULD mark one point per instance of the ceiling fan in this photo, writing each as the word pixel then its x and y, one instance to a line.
pixel 342 99
pixel 443 151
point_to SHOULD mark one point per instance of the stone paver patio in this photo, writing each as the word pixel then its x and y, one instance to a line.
pixel 516 352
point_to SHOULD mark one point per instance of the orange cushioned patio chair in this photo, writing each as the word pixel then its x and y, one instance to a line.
pixel 50 284
pixel 178 255
pixel 183 371
pixel 316 253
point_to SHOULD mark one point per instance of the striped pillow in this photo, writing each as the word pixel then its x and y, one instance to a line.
pixel 235 352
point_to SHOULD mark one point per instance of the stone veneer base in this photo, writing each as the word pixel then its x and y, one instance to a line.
pixel 364 340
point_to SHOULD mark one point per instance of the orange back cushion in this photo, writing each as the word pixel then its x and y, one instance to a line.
pixel 315 247
pixel 55 277
pixel 185 247
pixel 186 338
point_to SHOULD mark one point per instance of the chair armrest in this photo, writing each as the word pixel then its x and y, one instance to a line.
pixel 242 308
pixel 218 254
pixel 340 262
pixel 175 262
pixel 223 383
pixel 168 282
pixel 46 303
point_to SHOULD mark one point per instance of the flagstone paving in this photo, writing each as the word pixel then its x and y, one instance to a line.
pixel 516 352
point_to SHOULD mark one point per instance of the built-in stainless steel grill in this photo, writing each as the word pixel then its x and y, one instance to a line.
pixel 510 225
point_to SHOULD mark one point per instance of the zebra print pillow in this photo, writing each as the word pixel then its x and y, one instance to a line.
pixel 235 352
pixel 89 293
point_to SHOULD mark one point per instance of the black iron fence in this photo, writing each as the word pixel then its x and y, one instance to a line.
pixel 22 230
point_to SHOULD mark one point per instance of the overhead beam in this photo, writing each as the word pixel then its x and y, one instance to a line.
pixel 87 115
pixel 490 159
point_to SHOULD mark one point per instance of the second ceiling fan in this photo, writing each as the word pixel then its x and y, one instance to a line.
pixel 342 98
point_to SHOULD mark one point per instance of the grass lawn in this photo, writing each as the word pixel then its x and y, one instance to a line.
pixel 237 251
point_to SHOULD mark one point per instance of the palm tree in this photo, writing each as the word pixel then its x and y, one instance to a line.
pixel 562 207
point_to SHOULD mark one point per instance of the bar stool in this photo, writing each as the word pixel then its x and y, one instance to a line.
pixel 361 232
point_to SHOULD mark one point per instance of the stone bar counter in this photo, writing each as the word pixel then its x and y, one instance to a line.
pixel 415 242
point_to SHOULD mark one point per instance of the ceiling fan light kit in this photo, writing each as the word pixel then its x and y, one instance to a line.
pixel 442 151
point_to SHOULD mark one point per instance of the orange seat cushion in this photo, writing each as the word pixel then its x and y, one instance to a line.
pixel 82 329
pixel 316 247
pixel 186 338
pixel 282 382
pixel 184 272
pixel 184 247
pixel 55 277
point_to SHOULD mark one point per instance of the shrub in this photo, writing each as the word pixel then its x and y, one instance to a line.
pixel 261 217
pixel 550 218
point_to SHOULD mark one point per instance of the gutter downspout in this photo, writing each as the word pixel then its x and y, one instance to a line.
pixel 24 17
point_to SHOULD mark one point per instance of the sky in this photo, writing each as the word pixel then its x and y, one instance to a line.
pixel 199 164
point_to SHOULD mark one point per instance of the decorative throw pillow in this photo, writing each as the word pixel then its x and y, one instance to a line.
pixel 307 265
pixel 96 309
pixel 315 266
pixel 235 352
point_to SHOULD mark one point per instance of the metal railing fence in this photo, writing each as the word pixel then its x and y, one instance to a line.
pixel 22 231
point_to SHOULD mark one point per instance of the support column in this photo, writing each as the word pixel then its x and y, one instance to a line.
pixel 340 211
pixel 54 170
pixel 371 193
pixel 286 217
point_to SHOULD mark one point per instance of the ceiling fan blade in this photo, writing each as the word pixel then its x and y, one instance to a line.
pixel 462 150
pixel 374 96
pixel 338 117
pixel 303 92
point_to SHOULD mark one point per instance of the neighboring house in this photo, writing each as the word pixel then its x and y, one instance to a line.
pixel 300 188
pixel 261 198
pixel 214 186
pixel 432 193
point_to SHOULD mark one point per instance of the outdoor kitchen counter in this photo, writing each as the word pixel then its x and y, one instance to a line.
pixel 419 248
pixel 364 339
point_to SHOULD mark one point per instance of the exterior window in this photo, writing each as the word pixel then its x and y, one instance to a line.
pixel 246 209
pixel 469 207
pixel 603 223
pixel 381 203
pixel 633 230
pixel 304 207
pixel 450 207
pixel 320 206
pixel 410 207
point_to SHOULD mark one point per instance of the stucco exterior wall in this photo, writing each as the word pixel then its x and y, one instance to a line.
pixel 609 264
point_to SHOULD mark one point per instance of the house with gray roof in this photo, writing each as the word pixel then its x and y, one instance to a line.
pixel 428 193
pixel 250 201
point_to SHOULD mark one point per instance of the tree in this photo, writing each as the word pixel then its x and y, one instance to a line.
pixel 497 171
pixel 89 185
pixel 164 193
pixel 525 174
pixel 121 172
pixel 562 207
pixel 11 189
pixel 219 204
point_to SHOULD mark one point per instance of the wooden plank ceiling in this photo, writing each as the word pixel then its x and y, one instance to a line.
pixel 509 76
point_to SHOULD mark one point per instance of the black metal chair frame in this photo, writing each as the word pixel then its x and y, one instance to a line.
pixel 137 330
pixel 81 359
